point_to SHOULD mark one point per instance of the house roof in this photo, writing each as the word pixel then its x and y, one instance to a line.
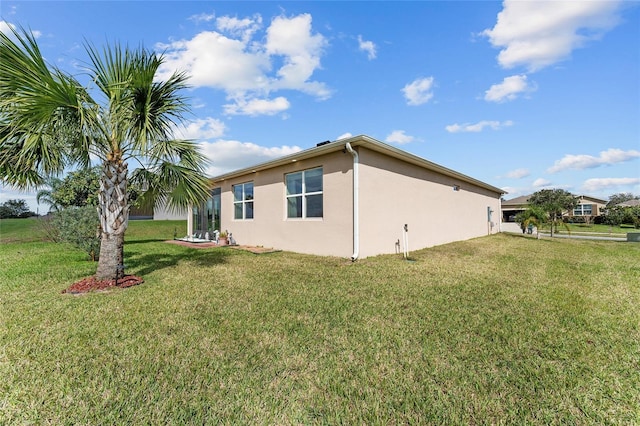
pixel 629 203
pixel 590 198
pixel 355 141
pixel 516 202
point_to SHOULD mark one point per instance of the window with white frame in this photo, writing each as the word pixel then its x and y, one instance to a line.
pixel 304 193
pixel 243 201
pixel 583 210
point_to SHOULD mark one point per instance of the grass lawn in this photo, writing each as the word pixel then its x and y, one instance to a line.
pixel 501 329
pixel 578 228
pixel 581 228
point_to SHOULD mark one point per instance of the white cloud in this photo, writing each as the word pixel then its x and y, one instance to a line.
pixel 202 17
pixel 213 60
pixel 228 155
pixel 478 127
pixel 512 191
pixel 8 28
pixel 255 107
pixel 344 136
pixel 509 89
pixel 292 38
pixel 399 137
pixel 536 34
pixel 419 91
pixel 597 184
pixel 583 161
pixel 207 128
pixel 242 28
pixel 517 174
pixel 367 46
pixel 11 10
pixel 9 193
pixel 540 182
pixel 240 60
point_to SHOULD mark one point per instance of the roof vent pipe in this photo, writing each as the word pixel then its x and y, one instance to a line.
pixel 356 223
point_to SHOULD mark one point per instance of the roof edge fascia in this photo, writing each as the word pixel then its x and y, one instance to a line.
pixel 355 141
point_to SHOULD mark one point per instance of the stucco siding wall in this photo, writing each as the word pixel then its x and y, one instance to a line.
pixel 330 235
pixel 394 193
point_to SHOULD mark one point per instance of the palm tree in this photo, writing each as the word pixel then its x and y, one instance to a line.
pixel 46 196
pixel 554 202
pixel 49 121
pixel 534 216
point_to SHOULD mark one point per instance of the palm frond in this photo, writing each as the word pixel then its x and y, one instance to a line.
pixel 43 113
pixel 172 184
pixel 141 110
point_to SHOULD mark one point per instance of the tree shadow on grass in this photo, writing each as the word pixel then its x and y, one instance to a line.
pixel 142 263
pixel 141 241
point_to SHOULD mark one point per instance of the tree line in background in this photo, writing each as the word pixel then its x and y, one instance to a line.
pixel 15 209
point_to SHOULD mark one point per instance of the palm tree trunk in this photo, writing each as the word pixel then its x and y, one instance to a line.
pixel 113 208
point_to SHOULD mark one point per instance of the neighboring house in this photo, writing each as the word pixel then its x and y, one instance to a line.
pixel 349 198
pixel 510 208
pixel 629 203
pixel 588 207
pixel 161 212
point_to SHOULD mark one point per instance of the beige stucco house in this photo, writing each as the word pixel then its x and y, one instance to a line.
pixel 587 208
pixel 510 208
pixel 350 198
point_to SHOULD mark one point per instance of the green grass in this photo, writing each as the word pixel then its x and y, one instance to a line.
pixel 593 229
pixel 599 229
pixel 20 230
pixel 496 330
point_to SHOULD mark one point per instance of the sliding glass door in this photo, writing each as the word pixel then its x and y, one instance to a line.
pixel 206 217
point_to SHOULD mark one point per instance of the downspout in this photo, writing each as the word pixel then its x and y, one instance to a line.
pixel 356 223
pixel 500 210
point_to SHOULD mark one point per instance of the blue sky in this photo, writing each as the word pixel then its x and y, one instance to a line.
pixel 521 95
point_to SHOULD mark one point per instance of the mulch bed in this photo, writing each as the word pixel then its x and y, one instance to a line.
pixel 88 284
pixel 252 249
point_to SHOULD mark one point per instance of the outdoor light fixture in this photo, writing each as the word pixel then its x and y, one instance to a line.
pixel 456 187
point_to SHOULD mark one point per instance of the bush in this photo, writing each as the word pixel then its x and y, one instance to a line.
pixel 619 215
pixel 49 228
pixel 79 226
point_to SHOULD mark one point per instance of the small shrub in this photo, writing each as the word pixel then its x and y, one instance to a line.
pixel 49 229
pixel 79 226
pixel 599 220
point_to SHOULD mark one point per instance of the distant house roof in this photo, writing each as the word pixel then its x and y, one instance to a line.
pixel 516 202
pixel 523 200
pixel 366 141
pixel 629 203
pixel 590 198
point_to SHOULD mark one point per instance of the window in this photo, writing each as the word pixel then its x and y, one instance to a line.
pixel 304 193
pixel 583 210
pixel 243 201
